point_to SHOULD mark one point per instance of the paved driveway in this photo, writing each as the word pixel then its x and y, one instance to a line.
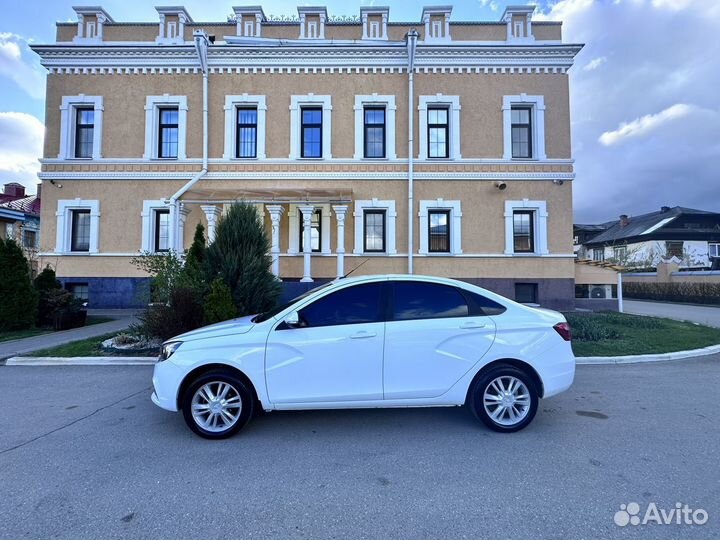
pixel 84 454
pixel 708 315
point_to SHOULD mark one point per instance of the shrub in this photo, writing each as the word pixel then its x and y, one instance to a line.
pixel 219 304
pixel 182 314
pixel 18 298
pixel 193 275
pixel 44 283
pixel 166 270
pixel 239 256
pixel 691 292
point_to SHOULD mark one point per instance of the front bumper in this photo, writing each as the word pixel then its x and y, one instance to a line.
pixel 167 378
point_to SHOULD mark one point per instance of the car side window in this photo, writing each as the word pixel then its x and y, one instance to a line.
pixel 481 305
pixel 420 300
pixel 352 305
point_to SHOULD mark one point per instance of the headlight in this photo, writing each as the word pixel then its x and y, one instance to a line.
pixel 168 349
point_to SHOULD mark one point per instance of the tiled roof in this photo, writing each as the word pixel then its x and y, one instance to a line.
pixel 27 205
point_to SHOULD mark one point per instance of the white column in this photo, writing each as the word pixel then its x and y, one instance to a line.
pixel 365 26
pixel 384 26
pixel 181 24
pixel 212 214
pixel 258 25
pixel 340 211
pixel 620 293
pixel 161 30
pixel 100 21
pixel 307 212
pixel 183 213
pixel 275 211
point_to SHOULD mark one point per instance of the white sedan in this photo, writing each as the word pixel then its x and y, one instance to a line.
pixel 375 341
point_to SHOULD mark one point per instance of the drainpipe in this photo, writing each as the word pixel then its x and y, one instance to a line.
pixel 411 37
pixel 201 47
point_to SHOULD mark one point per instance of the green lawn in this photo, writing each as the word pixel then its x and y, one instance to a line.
pixel 20 334
pixel 620 334
pixel 87 347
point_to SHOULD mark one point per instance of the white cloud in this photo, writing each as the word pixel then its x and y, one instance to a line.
pixel 492 4
pixel 564 10
pixel 595 63
pixel 645 124
pixel 19 64
pixel 21 141
pixel 674 5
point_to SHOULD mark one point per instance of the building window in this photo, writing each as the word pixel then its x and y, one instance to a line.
pixel 374 128
pixel 439 231
pixel 599 254
pixel 168 132
pixel 674 249
pixel 521 132
pixel 526 293
pixel 438 131
pixel 524 127
pixel 315 231
pixel 524 231
pixel 80 230
pixel 246 133
pixel 620 253
pixel 714 250
pixel 78 290
pixel 311 132
pixel 310 126
pixel 84 132
pixel 29 238
pixel 162 230
pixel 374 231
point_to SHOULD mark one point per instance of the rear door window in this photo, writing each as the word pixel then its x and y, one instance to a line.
pixel 413 300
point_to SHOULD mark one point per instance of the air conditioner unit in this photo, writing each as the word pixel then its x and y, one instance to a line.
pixel 597 292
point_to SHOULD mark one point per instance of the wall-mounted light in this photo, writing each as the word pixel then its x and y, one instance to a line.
pixel 558 182
pixel 501 185
pixel 54 183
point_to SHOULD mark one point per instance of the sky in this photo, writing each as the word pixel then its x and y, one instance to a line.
pixel 644 107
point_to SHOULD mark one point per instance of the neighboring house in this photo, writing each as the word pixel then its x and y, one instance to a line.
pixel 20 218
pixel 693 236
pixel 308 119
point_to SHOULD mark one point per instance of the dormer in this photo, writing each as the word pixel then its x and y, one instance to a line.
pixel 90 24
pixel 312 22
pixel 519 23
pixel 171 29
pixel 374 21
pixel 437 23
pixel 249 20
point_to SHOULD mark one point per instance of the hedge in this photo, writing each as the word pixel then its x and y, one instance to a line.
pixel 695 293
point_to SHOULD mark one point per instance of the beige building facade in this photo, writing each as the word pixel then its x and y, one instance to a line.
pixel 155 127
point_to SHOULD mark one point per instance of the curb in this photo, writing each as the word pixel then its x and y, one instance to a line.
pixel 81 361
pixel 643 358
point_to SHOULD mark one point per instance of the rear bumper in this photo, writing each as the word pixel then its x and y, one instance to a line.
pixel 558 370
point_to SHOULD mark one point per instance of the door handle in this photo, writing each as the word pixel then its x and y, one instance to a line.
pixel 471 325
pixel 362 335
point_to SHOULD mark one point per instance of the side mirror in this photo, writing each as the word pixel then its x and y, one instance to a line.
pixel 293 320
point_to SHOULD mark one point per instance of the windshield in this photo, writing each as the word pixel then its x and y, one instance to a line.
pixel 262 317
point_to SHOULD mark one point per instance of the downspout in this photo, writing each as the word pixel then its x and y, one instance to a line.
pixel 201 47
pixel 411 37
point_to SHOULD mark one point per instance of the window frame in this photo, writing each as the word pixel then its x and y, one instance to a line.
pixel 447 235
pixel 375 211
pixel 312 125
pixel 540 231
pixel 240 126
pixel 299 102
pixel 153 106
pixel 68 128
pixel 162 126
pixel 79 127
pixel 453 138
pixel 526 126
pixel 537 119
pixel 598 254
pixel 73 229
pixel 715 245
pixel 63 233
pixel 157 212
pixel 535 289
pixel 301 230
pixel 445 127
pixel 71 286
pixel 367 126
pixel 375 100
pixel 390 226
pixel 531 232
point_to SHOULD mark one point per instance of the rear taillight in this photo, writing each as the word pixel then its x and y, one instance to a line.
pixel 563 329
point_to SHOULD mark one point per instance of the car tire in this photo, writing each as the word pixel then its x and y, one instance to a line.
pixel 217 405
pixel 504 399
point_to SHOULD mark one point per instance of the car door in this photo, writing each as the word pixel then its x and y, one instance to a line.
pixel 434 336
pixel 333 353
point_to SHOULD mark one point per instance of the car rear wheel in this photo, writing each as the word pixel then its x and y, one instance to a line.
pixel 505 399
pixel 217 405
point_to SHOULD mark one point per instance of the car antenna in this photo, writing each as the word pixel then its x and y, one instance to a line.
pixel 358 266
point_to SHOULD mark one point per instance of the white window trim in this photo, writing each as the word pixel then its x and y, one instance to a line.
pixel 63 241
pixel 455 226
pixel 717 249
pixel 375 100
pixel 148 224
pixel 294 229
pixel 298 101
pixel 152 123
pixel 537 105
pixel 67 124
pixel 232 103
pixel 453 105
pixel 390 218
pixel 539 226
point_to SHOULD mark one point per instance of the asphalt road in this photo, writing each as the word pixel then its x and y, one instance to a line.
pixel 708 315
pixel 85 454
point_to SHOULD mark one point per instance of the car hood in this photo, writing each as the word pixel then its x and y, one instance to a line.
pixel 241 325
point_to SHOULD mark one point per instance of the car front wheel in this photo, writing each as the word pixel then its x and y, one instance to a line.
pixel 217 405
pixel 505 399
